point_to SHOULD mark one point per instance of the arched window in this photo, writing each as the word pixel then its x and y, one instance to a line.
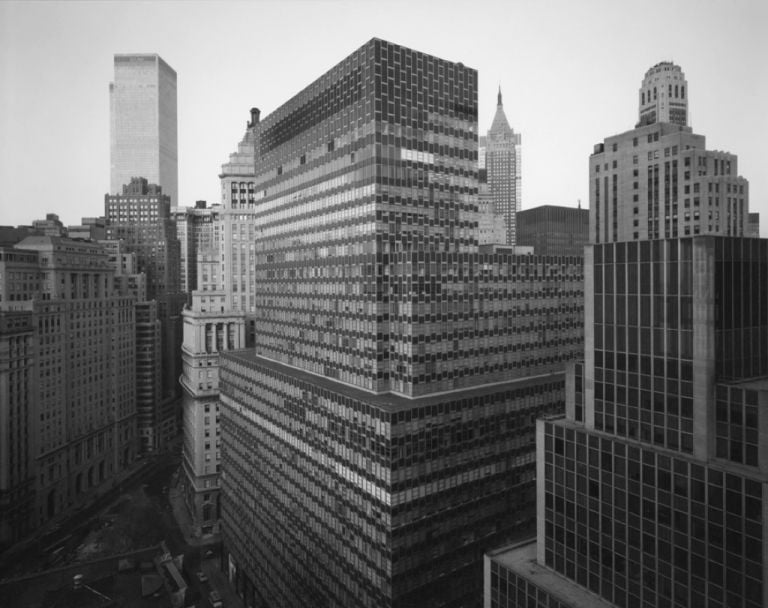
pixel 654 92
pixel 642 98
pixel 682 92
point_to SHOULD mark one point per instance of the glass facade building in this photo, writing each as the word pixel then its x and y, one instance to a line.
pixel 553 230
pixel 143 124
pixel 379 437
pixel 653 489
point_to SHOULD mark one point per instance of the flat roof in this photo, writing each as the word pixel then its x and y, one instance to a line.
pixel 521 559
pixel 391 402
pixel 755 384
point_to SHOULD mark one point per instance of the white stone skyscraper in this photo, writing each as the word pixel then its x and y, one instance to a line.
pixel 143 124
pixel 503 164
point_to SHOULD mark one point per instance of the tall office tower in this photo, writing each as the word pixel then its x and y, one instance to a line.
pixel 554 230
pixel 68 414
pixel 659 180
pixel 503 162
pixel 379 436
pixel 653 489
pixel 208 331
pixel 143 125
pixel 195 227
pixel 237 226
pixel 211 326
pixel 140 218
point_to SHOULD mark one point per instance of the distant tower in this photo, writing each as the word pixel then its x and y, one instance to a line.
pixel 659 180
pixel 143 126
pixel 662 96
pixel 502 162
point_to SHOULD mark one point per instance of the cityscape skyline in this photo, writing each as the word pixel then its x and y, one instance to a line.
pixel 397 412
pixel 573 62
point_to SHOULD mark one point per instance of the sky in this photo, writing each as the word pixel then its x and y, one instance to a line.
pixel 569 73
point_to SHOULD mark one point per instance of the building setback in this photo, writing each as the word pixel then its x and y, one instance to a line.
pixel 143 124
pixel 651 491
pixel 379 436
pixel 68 415
pixel 659 180
pixel 553 230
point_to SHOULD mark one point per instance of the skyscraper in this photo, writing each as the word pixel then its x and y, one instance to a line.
pixel 211 326
pixel 140 217
pixel 195 227
pixel 379 436
pixel 143 126
pixel 652 490
pixel 659 180
pixel 503 157
pixel 67 396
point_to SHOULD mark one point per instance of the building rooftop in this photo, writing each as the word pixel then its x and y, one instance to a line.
pixel 521 559
pixel 391 402
pixel 755 384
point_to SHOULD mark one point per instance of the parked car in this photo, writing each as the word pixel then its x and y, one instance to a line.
pixel 215 598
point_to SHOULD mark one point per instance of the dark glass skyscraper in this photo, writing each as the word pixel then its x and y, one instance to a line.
pixel 652 490
pixel 380 435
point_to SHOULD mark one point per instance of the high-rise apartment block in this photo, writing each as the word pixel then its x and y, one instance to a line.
pixel 659 180
pixel 554 230
pixel 143 125
pixel 379 436
pixel 652 490
pixel 68 414
pixel 140 219
pixel 503 164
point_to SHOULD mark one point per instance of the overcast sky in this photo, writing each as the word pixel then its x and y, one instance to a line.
pixel 569 71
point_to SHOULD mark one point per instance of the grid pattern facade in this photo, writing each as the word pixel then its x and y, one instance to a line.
pixel 143 124
pixel 651 343
pixel 509 590
pixel 356 436
pixel 552 230
pixel 357 501
pixel 643 527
